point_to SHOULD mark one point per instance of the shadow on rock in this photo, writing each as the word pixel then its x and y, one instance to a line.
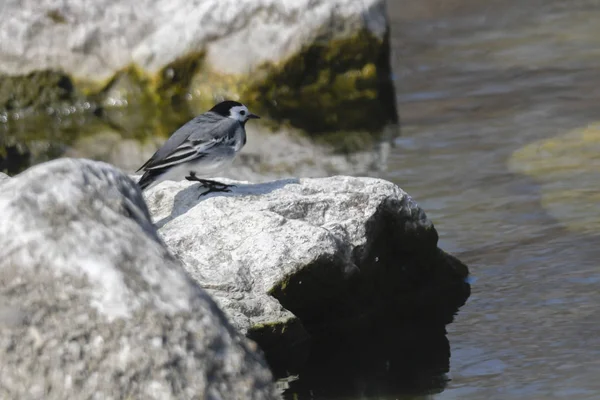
pixel 192 195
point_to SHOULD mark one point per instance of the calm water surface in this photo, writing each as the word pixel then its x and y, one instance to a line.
pixel 499 104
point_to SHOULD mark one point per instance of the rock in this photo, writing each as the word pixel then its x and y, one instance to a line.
pixel 71 37
pixel 289 59
pixel 293 259
pixel 93 305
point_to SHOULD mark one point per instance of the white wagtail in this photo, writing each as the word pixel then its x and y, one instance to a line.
pixel 202 146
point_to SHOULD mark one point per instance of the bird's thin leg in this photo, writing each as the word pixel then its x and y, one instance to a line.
pixel 192 177
pixel 212 186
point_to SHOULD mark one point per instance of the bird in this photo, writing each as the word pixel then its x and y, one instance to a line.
pixel 203 145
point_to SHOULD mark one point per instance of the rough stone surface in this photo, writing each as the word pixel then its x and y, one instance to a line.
pixel 321 66
pixel 264 233
pixel 92 304
pixel 329 250
pixel 96 39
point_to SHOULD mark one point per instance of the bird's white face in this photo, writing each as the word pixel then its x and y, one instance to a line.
pixel 241 113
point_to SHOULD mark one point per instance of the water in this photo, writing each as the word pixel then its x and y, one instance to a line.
pixel 499 104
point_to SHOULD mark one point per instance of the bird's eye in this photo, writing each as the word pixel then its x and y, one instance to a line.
pixel 242 112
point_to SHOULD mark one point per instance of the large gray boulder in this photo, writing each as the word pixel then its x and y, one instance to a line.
pixel 93 305
pixel 290 58
pixel 290 259
pixel 94 40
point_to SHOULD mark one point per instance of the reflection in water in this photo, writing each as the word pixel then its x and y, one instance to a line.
pixel 379 363
pixel 120 137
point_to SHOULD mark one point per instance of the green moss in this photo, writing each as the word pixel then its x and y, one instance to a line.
pixel 330 86
pixel 129 103
pixel 129 87
pixel 271 328
pixel 143 106
pixel 173 85
pixel 208 87
pixel 56 16
pixel 36 90
pixel 282 285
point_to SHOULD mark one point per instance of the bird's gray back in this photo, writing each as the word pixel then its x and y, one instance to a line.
pixel 210 126
pixel 206 127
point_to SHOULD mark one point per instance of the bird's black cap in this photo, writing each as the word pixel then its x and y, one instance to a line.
pixel 223 107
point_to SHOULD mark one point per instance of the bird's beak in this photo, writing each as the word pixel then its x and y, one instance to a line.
pixel 253 116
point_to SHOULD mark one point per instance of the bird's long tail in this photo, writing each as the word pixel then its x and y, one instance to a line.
pixel 149 179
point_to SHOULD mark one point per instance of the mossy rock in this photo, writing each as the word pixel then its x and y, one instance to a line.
pixel 329 86
pixel 132 104
pixel 338 90
pixel 174 80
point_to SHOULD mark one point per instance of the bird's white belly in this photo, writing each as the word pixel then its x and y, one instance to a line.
pixel 203 168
